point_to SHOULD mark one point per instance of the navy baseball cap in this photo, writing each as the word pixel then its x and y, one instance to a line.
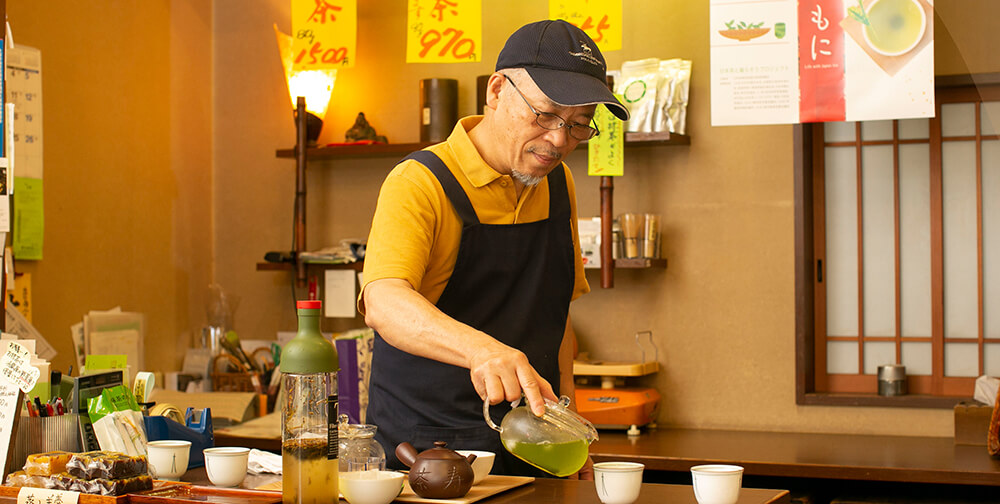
pixel 564 63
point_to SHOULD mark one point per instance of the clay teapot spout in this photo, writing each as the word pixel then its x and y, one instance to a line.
pixel 406 453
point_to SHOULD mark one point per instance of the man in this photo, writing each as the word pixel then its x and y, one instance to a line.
pixel 474 255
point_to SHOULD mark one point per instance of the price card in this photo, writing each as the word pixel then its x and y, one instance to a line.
pixel 324 34
pixel 444 31
pixel 601 19
pixel 15 367
pixel 604 152
pixel 28 495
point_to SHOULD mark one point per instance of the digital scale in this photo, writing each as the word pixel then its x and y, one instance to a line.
pixel 610 407
pixel 84 388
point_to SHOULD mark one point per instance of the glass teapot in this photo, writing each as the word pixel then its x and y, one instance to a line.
pixel 359 451
pixel 556 442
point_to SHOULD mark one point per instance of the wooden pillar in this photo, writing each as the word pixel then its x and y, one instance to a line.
pixel 300 189
pixel 607 243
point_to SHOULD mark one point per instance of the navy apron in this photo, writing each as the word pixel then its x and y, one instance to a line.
pixel 513 282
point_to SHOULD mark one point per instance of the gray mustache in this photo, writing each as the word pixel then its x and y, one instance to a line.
pixel 546 153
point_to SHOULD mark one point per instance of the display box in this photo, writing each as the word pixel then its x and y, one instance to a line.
pixel 972 423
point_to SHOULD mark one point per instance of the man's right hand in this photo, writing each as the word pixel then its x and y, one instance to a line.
pixel 500 372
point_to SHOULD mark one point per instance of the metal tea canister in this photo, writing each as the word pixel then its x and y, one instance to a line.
pixel 309 444
pixel 891 380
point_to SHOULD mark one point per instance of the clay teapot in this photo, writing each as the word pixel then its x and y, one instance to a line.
pixel 437 473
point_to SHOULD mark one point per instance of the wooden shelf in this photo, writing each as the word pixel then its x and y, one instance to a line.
pixel 385 150
pixel 639 263
pixel 356 151
pixel 269 266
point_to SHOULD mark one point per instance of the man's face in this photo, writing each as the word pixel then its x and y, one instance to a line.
pixel 533 150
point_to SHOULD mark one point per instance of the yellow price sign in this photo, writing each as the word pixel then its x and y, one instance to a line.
pixel 605 151
pixel 324 34
pixel 444 31
pixel 601 19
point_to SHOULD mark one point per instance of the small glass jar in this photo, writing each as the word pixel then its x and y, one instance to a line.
pixel 359 451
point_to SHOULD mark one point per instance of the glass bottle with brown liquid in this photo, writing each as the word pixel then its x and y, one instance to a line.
pixel 309 444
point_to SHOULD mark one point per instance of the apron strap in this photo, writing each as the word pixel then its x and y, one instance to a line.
pixel 558 194
pixel 449 183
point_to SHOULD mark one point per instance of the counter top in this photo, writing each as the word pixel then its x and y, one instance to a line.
pixel 562 491
pixel 802 455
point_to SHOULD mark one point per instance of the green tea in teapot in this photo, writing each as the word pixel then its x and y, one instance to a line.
pixel 559 459
pixel 556 442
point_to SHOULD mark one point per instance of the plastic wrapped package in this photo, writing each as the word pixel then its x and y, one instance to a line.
pixel 107 465
pixel 99 486
pixel 638 88
pixel 23 479
pixel 48 463
pixel 102 486
pixel 61 481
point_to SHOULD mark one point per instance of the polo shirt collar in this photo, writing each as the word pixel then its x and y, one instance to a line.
pixel 469 161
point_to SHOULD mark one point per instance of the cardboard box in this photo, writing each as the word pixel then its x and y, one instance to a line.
pixel 972 423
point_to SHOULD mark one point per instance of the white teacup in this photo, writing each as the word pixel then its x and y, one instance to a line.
pixel 226 465
pixel 168 458
pixel 482 466
pixel 717 483
pixel 371 487
pixel 618 482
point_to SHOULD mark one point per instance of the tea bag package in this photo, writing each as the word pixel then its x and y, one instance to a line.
pixel 672 95
pixel 637 87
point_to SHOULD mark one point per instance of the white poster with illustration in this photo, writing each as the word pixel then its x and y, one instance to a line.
pixel 792 61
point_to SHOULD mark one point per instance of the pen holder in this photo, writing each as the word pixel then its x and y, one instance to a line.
pixel 226 381
pixel 44 434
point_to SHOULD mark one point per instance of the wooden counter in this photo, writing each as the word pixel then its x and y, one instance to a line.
pixel 792 455
pixel 562 491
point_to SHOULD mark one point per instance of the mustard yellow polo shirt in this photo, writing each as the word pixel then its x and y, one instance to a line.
pixel 415 232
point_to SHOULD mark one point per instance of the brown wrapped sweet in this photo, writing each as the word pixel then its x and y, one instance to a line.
pixel 107 465
pixel 48 463
pixel 99 486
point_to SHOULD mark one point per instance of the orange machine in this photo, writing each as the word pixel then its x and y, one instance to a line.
pixel 611 407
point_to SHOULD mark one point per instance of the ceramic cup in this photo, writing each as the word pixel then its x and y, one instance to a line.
pixel 168 458
pixel 618 482
pixel 717 483
pixel 226 465
pixel 482 466
pixel 371 487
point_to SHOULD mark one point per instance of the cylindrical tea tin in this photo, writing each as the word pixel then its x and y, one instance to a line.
pixel 438 109
pixel 892 380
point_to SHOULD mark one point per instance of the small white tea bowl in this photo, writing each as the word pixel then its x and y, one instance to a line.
pixel 168 458
pixel 371 487
pixel 226 465
pixel 482 466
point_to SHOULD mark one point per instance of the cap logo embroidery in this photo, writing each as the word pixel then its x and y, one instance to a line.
pixel 587 54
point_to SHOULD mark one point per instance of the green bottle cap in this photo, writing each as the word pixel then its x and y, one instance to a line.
pixel 308 352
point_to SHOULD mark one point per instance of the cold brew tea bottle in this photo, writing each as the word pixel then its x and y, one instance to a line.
pixel 309 445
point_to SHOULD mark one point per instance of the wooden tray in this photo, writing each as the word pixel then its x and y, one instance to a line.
pixel 12 491
pixel 492 485
pixel 194 493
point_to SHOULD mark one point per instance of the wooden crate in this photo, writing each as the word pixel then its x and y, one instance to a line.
pixel 972 422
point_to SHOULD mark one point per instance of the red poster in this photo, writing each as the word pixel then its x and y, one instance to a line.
pixel 821 61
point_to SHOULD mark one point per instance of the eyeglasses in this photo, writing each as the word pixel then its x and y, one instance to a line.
pixel 551 121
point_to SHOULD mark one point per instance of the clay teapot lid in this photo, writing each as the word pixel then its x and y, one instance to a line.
pixel 408 455
pixel 439 452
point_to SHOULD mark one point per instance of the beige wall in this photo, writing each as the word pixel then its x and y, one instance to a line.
pixel 128 167
pixel 147 223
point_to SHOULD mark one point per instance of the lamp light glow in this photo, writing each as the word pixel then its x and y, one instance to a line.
pixel 315 85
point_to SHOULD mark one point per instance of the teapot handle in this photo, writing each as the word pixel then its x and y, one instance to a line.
pixel 487 417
